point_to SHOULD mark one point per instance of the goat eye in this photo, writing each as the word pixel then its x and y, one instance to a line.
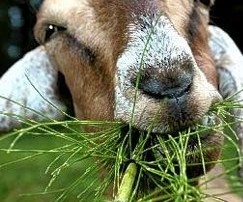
pixel 52 30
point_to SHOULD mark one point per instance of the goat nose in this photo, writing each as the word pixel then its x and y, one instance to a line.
pixel 161 84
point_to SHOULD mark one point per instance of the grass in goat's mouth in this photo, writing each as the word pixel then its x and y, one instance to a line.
pixel 160 160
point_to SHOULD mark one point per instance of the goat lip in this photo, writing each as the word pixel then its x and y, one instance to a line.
pixel 202 126
pixel 208 130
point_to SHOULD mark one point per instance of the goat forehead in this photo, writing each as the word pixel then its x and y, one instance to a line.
pixel 170 7
pixel 120 14
pixel 67 7
pixel 128 6
pixel 63 11
pixel 117 16
pixel 115 13
pixel 105 23
pixel 64 4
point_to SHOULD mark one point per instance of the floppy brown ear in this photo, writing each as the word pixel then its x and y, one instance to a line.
pixel 28 90
pixel 229 63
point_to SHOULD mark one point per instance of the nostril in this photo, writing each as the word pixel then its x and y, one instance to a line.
pixel 169 86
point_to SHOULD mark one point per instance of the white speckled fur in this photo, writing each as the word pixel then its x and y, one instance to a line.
pixel 34 70
pixel 165 50
pixel 228 58
pixel 229 63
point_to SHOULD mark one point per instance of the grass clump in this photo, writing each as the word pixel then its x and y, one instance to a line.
pixel 81 166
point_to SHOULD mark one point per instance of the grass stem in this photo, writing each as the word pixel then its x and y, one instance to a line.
pixel 126 186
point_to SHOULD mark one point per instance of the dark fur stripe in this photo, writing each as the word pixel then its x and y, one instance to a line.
pixel 193 24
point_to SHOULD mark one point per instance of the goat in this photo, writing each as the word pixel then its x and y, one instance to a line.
pixel 139 58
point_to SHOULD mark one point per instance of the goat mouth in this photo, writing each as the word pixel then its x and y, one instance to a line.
pixel 204 127
pixel 209 122
pixel 202 149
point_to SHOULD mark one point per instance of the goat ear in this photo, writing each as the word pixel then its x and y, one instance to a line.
pixel 229 63
pixel 28 90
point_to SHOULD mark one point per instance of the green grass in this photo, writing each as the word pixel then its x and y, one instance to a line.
pixel 27 180
pixel 230 157
pixel 56 161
